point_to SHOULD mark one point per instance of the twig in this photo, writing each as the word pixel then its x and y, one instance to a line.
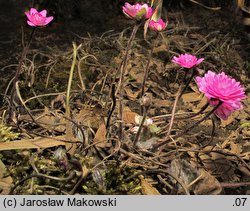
pixel 234 185
pixel 113 106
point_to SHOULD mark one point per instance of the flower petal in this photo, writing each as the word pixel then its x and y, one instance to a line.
pixel 30 23
pixel 220 87
pixel 33 11
pixel 43 13
pixel 48 20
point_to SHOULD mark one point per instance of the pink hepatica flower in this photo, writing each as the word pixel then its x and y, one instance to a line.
pixel 137 11
pixel 36 18
pixel 157 25
pixel 187 60
pixel 220 87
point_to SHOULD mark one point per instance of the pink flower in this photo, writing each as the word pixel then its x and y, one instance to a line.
pixel 36 18
pixel 187 60
pixel 157 25
pixel 220 87
pixel 137 11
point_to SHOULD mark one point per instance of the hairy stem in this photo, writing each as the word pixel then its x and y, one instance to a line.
pixel 188 128
pixel 141 125
pixel 17 75
pixel 147 70
pixel 121 81
pixel 178 96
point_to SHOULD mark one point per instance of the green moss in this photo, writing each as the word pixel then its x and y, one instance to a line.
pixel 114 177
pixel 6 133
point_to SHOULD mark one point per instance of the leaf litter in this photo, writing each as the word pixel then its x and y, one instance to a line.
pixel 81 154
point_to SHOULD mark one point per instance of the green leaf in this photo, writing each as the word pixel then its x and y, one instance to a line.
pixel 153 128
pixel 157 13
pixel 245 124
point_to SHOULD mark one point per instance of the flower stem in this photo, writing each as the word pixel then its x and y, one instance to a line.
pixel 189 128
pixel 147 70
pixel 17 75
pixel 121 81
pixel 174 109
pixel 137 136
pixel 188 82
pixel 203 108
pixel 178 96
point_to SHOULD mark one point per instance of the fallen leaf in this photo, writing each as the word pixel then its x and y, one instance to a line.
pixel 199 181
pixel 5 185
pixel 191 97
pixel 230 119
pixel 161 48
pixel 202 103
pixel 217 164
pixel 206 184
pixel 134 75
pixel 5 182
pixel 235 148
pixel 100 136
pixel 129 117
pixel 162 103
pixel 36 143
pixel 132 95
pixel 147 188
pixel 2 169
pixel 89 118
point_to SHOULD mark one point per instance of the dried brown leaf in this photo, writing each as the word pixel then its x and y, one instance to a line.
pixel 197 180
pixel 235 148
pixel 89 118
pixel 132 95
pixel 230 119
pixel 147 188
pixel 217 164
pixel 100 136
pixel 129 117
pixel 162 48
pixel 137 76
pixel 2 169
pixel 36 143
pixel 191 97
pixel 206 184
pixel 5 183
pixel 162 103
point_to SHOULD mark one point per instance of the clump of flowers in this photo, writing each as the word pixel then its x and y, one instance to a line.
pixel 36 18
pixel 187 60
pixel 222 88
pixel 158 25
pixel 137 11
